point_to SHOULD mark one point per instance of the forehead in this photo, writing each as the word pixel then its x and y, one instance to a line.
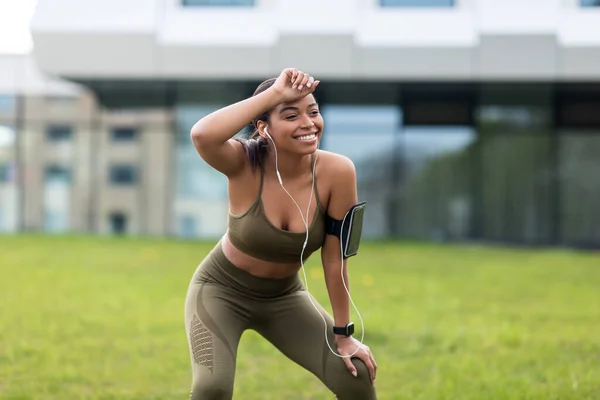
pixel 301 104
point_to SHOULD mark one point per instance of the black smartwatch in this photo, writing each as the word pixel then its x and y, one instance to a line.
pixel 347 330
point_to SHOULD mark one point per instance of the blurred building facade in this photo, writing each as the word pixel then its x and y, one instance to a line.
pixel 466 119
pixel 69 165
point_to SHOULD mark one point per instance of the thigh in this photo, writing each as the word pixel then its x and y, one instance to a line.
pixel 215 319
pixel 297 329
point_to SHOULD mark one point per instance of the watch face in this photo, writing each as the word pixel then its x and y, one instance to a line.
pixel 350 329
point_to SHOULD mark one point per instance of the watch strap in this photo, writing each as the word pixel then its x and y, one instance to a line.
pixel 347 330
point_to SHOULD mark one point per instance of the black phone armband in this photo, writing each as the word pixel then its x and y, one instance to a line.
pixel 348 229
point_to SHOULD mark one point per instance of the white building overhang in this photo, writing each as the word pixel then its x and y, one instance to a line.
pixel 480 40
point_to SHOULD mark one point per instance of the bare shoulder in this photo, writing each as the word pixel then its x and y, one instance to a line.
pixel 340 174
pixel 337 166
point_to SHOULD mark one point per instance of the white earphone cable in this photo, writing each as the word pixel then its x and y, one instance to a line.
pixel 305 221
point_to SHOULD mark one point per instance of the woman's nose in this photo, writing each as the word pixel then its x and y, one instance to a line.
pixel 307 122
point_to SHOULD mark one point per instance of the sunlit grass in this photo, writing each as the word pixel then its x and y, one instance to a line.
pixel 102 318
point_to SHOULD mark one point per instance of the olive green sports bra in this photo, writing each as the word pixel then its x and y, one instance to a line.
pixel 252 233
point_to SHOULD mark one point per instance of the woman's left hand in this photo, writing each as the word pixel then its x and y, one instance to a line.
pixel 347 346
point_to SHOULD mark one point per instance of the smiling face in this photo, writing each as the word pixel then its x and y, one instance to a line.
pixel 295 127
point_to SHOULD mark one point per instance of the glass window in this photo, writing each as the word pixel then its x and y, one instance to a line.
pixel 57 174
pixel 442 113
pixel 200 190
pixel 416 3
pixel 514 171
pixel 367 135
pixel 6 173
pixel 590 3
pixel 578 157
pixel 218 3
pixel 121 174
pixel 9 187
pixel 123 134
pixel 7 136
pixel 57 181
pixel 187 226
pixel 59 133
pixel 436 197
pixel 579 186
pixel 200 204
pixel 7 103
pixel 117 222
pixel 195 178
pixel 579 113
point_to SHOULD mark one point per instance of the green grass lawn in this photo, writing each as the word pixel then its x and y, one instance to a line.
pixel 102 318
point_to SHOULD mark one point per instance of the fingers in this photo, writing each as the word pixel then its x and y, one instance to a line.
pixel 372 359
pixel 304 81
pixel 292 74
pixel 374 363
pixel 367 359
pixel 310 82
pixel 301 80
pixel 350 366
pixel 297 75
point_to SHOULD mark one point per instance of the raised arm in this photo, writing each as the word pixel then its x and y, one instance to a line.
pixel 213 135
pixel 344 195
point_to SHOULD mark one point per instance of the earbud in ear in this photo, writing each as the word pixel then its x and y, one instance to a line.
pixel 268 134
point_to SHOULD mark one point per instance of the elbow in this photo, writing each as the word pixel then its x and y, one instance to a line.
pixel 201 141
pixel 196 132
pixel 198 136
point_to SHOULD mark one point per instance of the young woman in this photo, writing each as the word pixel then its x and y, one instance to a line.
pixel 250 278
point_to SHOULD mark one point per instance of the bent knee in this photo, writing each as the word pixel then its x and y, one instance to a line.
pixel 349 387
pixel 363 387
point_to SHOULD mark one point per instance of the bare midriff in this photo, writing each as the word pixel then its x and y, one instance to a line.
pixel 255 266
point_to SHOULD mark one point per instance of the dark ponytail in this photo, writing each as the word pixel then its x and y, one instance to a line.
pixel 255 145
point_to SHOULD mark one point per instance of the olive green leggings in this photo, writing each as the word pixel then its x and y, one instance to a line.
pixel 223 301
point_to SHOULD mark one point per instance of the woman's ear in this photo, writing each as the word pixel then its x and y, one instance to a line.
pixel 261 127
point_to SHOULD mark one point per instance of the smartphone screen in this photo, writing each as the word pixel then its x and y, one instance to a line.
pixel 355 224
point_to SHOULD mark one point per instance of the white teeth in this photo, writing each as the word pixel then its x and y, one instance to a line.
pixel 307 137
